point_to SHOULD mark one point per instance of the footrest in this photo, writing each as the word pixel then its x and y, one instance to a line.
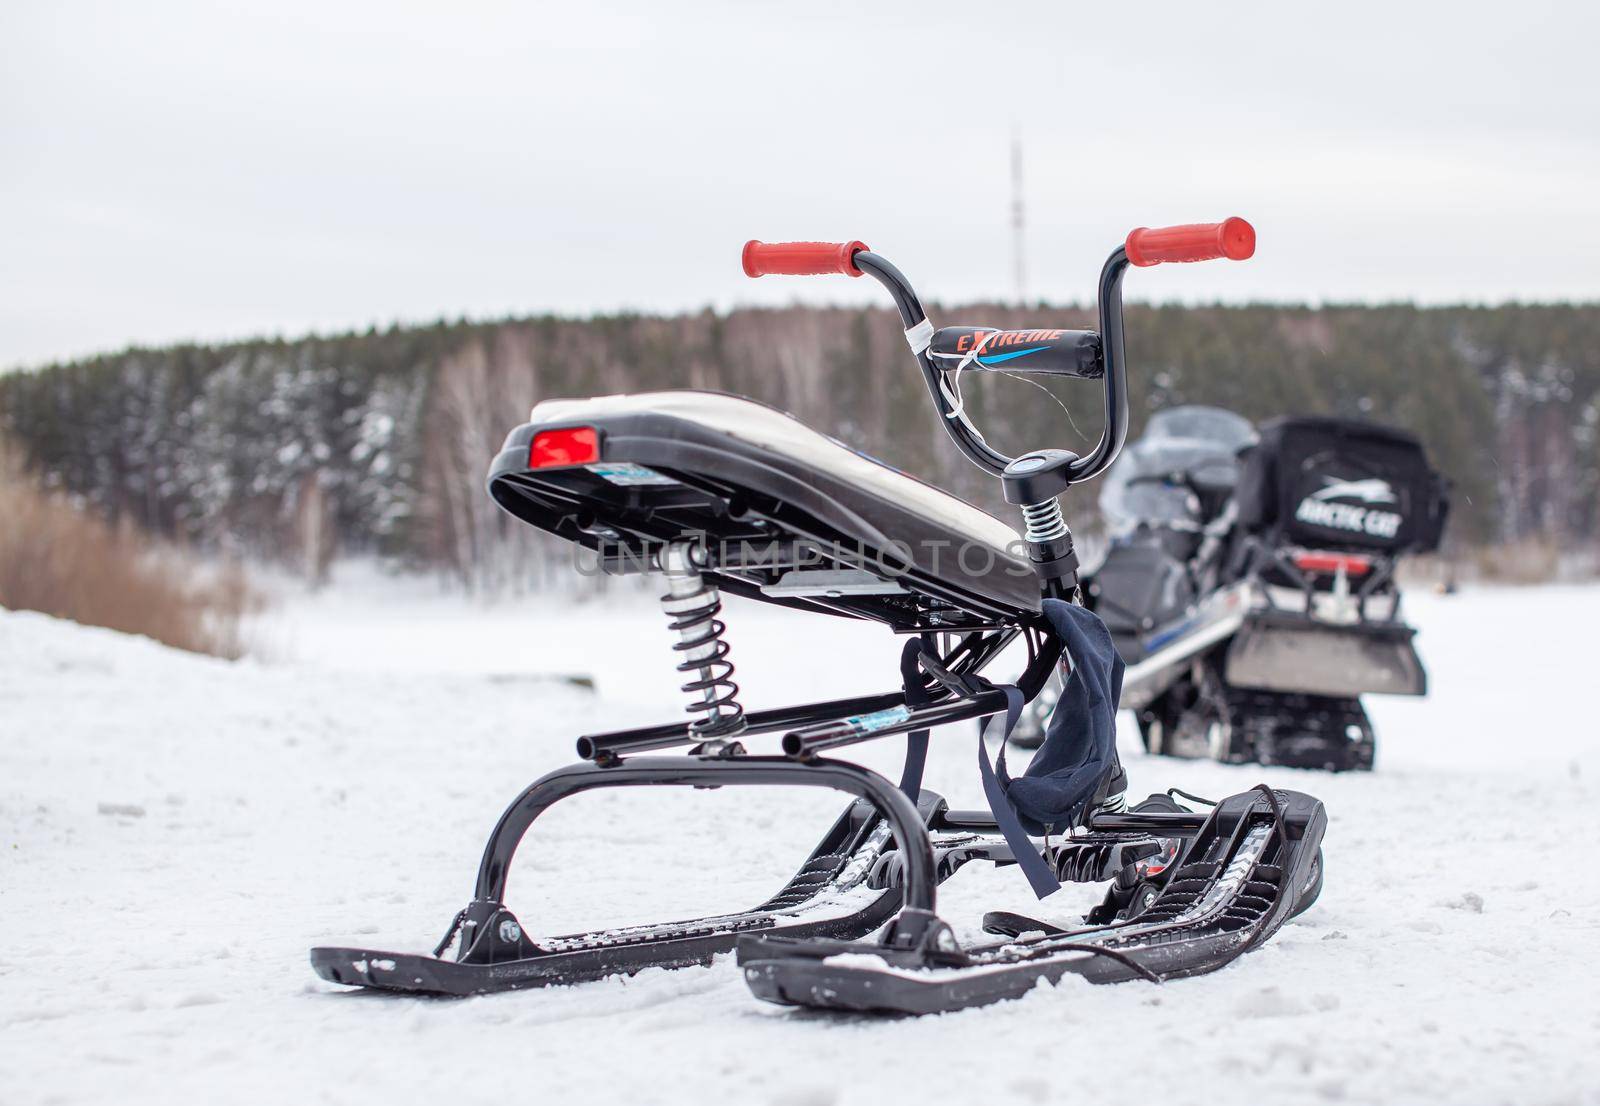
pixel 1095 857
pixel 950 852
pixel 1004 923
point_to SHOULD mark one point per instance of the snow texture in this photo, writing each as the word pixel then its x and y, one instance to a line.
pixel 177 831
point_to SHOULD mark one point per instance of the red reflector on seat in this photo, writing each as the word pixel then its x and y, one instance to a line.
pixel 1330 563
pixel 578 445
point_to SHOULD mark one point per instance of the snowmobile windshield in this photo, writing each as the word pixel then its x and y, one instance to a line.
pixel 1183 467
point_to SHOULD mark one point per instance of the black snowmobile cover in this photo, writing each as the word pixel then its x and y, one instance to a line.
pixel 1323 481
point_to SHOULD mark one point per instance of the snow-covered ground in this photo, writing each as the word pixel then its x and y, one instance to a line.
pixel 176 831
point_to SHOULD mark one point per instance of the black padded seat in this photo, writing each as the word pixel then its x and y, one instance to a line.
pixel 764 456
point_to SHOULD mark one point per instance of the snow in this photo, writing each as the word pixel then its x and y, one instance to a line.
pixel 176 831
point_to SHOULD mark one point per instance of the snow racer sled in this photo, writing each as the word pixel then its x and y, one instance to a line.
pixel 1250 583
pixel 718 493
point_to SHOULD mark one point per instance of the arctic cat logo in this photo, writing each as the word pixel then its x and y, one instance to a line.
pixel 1317 509
pixel 1372 490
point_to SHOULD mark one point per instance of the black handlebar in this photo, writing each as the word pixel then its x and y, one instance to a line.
pixel 1114 380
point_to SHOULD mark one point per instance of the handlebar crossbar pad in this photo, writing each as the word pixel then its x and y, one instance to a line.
pixel 801 258
pixel 1053 352
pixel 1233 238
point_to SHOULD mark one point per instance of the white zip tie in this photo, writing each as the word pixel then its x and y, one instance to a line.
pixel 972 354
pixel 955 399
pixel 920 337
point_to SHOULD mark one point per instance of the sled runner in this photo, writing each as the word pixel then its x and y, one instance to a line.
pixel 1248 868
pixel 719 493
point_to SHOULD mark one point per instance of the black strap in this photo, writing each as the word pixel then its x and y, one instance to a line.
pixel 917 740
pixel 1040 877
pixel 1000 761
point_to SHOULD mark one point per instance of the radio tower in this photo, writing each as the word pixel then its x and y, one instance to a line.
pixel 1019 270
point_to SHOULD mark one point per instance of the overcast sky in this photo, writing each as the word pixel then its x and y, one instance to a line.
pixel 216 170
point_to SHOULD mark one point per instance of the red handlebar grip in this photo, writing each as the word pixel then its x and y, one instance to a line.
pixel 1233 238
pixel 801 258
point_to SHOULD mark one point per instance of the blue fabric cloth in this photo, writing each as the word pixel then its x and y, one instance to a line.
pixel 1080 744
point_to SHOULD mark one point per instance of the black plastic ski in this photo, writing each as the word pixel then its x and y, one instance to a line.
pixel 582 958
pixel 840 892
pixel 1245 874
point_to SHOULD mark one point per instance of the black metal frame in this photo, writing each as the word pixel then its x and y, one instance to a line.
pixel 809 728
pixel 492 949
pixel 905 824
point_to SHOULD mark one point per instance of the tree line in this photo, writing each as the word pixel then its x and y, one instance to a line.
pixel 378 442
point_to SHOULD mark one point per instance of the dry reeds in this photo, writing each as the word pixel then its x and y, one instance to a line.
pixel 65 561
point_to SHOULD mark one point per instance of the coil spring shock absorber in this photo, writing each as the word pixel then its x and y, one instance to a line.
pixel 1050 548
pixel 1043 522
pixel 1033 482
pixel 692 605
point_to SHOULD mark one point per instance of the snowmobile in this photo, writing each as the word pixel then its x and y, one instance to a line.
pixel 1250 583
pixel 717 493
